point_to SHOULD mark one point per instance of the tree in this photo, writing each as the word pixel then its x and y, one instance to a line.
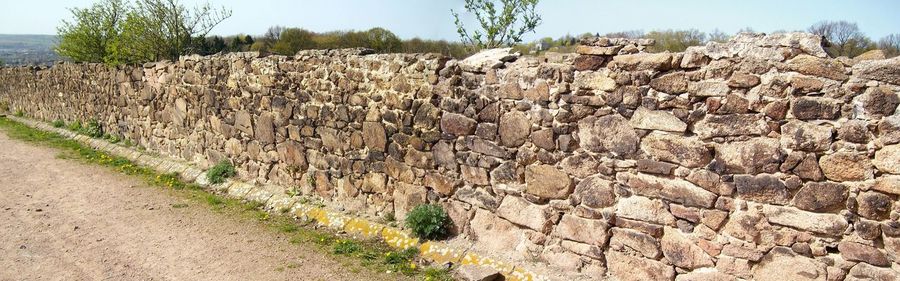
pixel 842 38
pixel 292 40
pixel 382 40
pixel 117 31
pixel 890 45
pixel 717 36
pixel 87 37
pixel 498 26
pixel 675 40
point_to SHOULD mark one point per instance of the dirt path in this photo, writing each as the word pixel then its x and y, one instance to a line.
pixel 63 220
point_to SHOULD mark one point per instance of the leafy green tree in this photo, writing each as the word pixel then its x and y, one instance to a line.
pixel 88 36
pixel 292 40
pixel 118 31
pixel 383 41
pixel 500 22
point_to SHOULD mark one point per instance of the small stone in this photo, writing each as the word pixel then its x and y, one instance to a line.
pixel 457 124
pixel 521 212
pixel 544 139
pixel 672 83
pixel 594 80
pixel 610 133
pixel 686 151
pixel 846 166
pixel 644 118
pixel 588 63
pixel 757 155
pixel 878 101
pixel 854 131
pixel 808 169
pixel 743 80
pixel 888 184
pixel 889 129
pixel 582 230
pixel 887 159
pixel 804 136
pixel 761 188
pixel 644 244
pixel 874 205
pixel 821 196
pixel 705 276
pixel 782 264
pixel 514 129
pixel 853 251
pixel 624 267
pixel 866 272
pixel 675 190
pixel 595 192
pixel 811 108
pixel 709 88
pixel 547 182
pixel 642 61
pixel 828 224
pixel 374 136
pixel 880 70
pixel 682 252
pixel 730 125
pixel 644 209
pixel 820 67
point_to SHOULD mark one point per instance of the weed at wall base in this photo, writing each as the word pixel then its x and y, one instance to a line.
pixel 218 173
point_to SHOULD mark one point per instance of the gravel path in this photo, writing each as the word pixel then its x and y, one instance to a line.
pixel 64 220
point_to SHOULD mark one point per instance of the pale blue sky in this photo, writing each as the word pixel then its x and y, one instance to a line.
pixel 431 18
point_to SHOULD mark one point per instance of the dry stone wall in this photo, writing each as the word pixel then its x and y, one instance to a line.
pixel 760 158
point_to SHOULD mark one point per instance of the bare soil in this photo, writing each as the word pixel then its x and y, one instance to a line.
pixel 65 220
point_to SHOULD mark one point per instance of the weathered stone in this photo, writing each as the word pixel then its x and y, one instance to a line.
pixel 683 253
pixel 820 67
pixel 374 136
pixel 808 169
pixel 598 50
pixel 880 70
pixel 803 84
pixel 746 225
pixel 887 159
pixel 705 276
pixel 588 63
pixel 477 197
pixel 804 136
pixel 494 234
pixel 853 251
pixel 757 155
pixel 671 83
pixel 475 175
pixel 487 59
pixel 441 184
pixel 594 80
pixel 457 124
pixel 730 125
pixel 521 212
pixel 610 133
pixel 510 91
pixel 889 129
pixel 646 245
pixel 644 118
pixel 548 182
pixel 782 264
pixel 827 224
pixel 644 209
pixel 874 205
pixel 888 184
pixel 487 148
pixel 878 101
pixel 761 188
pixel 265 129
pixel 854 131
pixel 685 151
pixel 846 166
pixel 544 139
pixel 627 268
pixel 407 197
pixel 468 272
pixel 595 192
pixel 242 122
pixel 443 155
pixel 514 128
pixel 866 272
pixel 705 179
pixel 655 167
pixel 291 153
pixel 581 230
pixel 810 108
pixel 675 190
pixel 374 182
pixel 709 88
pixel 642 61
pixel 743 80
pixel 821 196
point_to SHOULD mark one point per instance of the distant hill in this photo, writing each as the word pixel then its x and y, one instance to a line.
pixel 27 49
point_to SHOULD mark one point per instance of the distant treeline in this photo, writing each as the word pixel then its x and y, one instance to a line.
pixel 287 41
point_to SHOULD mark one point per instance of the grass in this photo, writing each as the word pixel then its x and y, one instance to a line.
pixel 221 171
pixel 357 254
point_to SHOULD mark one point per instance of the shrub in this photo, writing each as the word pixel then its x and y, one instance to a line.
pixel 428 221
pixel 58 123
pixel 20 113
pixel 75 126
pixel 92 129
pixel 218 173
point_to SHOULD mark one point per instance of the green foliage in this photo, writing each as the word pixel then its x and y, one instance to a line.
pixel 19 113
pixel 221 171
pixel 428 221
pixel 58 123
pixel 345 247
pixel 92 129
pixel 124 32
pixel 675 40
pixel 498 26
pixel 75 126
pixel 438 274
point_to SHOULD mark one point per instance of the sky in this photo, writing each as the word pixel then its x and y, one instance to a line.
pixel 431 19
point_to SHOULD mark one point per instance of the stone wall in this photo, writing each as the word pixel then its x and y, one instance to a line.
pixel 760 158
